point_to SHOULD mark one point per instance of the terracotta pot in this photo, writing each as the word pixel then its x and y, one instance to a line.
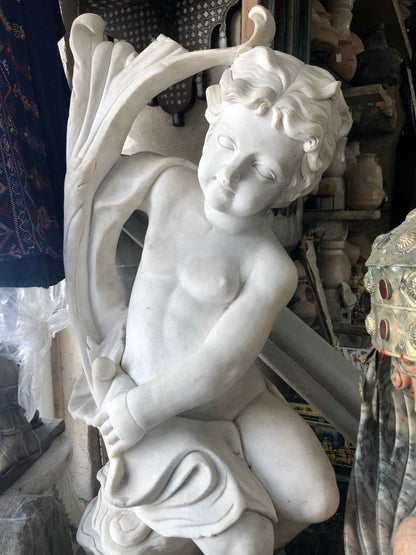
pixel 364 183
pixel 357 44
pixel 343 60
pixel 359 239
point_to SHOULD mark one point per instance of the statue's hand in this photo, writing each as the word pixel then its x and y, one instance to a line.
pixel 117 426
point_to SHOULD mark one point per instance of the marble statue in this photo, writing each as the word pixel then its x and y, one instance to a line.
pixel 380 516
pixel 204 454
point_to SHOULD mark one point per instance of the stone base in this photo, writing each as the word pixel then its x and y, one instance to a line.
pixel 48 430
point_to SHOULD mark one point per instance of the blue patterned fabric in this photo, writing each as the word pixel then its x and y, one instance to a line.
pixel 34 102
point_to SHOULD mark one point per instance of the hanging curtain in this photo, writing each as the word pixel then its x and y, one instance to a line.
pixel 34 102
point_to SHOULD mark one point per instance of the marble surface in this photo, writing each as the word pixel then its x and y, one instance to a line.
pixel 203 451
pixel 383 480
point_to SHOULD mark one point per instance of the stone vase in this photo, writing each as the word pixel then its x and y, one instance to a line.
pixel 364 183
pixel 352 150
pixel 333 263
pixel 339 164
pixel 324 37
pixel 343 60
pixel 341 21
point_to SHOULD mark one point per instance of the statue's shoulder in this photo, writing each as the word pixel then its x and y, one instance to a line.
pixel 269 255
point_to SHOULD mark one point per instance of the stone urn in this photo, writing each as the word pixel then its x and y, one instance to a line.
pixel 339 164
pixel 333 263
pixel 364 183
pixel 343 60
pixel 352 150
pixel 378 63
pixel 341 21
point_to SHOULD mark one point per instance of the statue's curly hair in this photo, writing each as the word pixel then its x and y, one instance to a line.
pixel 306 103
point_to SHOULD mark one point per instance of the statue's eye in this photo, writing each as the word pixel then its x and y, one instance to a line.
pixel 225 142
pixel 264 171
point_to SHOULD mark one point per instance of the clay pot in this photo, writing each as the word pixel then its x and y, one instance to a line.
pixel 378 63
pixel 343 60
pixel 359 239
pixel 338 165
pixel 364 183
pixel 357 44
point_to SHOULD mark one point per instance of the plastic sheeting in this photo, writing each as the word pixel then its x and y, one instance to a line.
pixel 29 319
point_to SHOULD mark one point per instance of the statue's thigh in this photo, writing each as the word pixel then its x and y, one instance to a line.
pixel 252 534
pixel 286 457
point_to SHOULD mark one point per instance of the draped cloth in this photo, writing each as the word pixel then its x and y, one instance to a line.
pixel 185 479
pixel 383 481
pixel 34 103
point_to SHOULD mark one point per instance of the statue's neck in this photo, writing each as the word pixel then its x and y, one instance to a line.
pixel 235 224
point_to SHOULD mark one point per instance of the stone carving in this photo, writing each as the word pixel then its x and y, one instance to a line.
pixel 203 452
pixel 380 515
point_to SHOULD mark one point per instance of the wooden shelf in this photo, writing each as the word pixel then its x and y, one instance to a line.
pixel 351 329
pixel 342 215
pixel 365 94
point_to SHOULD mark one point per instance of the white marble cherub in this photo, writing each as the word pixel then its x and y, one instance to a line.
pixel 204 452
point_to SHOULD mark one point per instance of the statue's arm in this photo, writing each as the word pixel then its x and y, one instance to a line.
pixel 228 351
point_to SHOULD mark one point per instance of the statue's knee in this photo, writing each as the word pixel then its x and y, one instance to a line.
pixel 321 504
pixel 255 535
pixel 252 534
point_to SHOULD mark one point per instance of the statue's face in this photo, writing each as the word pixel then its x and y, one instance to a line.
pixel 246 164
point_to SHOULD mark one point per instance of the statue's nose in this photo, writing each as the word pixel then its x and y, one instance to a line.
pixel 228 176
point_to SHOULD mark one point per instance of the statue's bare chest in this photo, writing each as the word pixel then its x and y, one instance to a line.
pixel 199 259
